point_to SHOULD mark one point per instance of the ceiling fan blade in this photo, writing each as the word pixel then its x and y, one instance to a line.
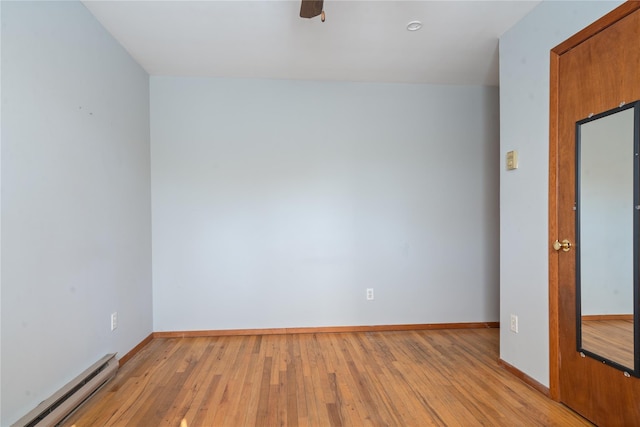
pixel 311 8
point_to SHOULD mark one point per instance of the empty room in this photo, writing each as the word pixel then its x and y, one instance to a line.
pixel 229 213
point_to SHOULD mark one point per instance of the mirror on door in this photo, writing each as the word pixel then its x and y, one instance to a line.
pixel 607 243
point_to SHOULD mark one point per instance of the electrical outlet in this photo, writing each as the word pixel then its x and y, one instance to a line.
pixel 514 323
pixel 369 294
pixel 114 320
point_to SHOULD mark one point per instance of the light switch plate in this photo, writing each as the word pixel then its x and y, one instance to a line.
pixel 512 160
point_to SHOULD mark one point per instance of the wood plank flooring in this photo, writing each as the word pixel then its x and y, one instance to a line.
pixel 409 378
pixel 612 339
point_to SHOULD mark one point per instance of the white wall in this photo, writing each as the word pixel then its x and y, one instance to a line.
pixel 75 199
pixel 277 203
pixel 524 126
pixel 0 215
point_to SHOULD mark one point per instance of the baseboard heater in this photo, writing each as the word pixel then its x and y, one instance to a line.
pixel 66 400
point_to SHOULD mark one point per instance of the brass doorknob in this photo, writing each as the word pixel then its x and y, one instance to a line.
pixel 565 245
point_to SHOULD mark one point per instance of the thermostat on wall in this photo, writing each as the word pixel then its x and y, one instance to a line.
pixel 512 160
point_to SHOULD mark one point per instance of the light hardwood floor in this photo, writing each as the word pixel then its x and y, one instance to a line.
pixel 410 378
pixel 612 339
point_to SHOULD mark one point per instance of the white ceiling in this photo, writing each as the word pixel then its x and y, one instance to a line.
pixel 360 40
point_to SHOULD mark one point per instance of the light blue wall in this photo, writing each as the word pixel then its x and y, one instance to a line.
pixel 524 126
pixel 0 216
pixel 76 241
pixel 277 203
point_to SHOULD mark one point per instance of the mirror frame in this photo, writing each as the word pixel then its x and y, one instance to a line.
pixel 628 370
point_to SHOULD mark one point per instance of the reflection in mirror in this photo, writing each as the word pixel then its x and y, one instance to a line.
pixel 606 147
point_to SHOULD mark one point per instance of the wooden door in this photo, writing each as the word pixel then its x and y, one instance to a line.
pixel 592 72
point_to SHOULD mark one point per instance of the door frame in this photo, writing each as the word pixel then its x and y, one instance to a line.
pixel 554 328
